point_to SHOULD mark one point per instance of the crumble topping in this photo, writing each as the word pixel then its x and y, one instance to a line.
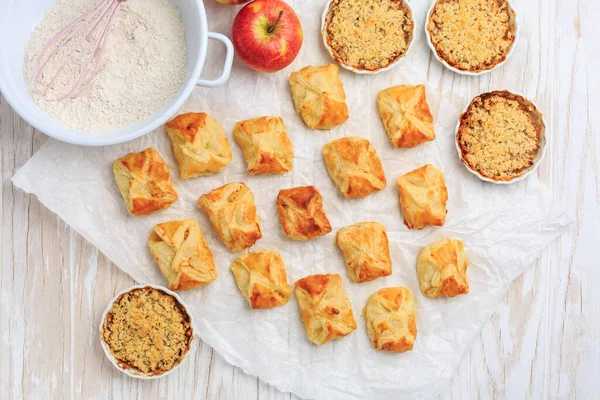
pixel 472 35
pixel 369 34
pixel 147 329
pixel 499 136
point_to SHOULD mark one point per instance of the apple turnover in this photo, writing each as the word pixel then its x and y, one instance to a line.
pixel 326 311
pixel 266 146
pixel 232 213
pixel 423 197
pixel 144 182
pixel 262 279
pixel 199 144
pixel 182 254
pixel 301 213
pixel 354 166
pixel 391 319
pixel 366 251
pixel 442 269
pixel 405 115
pixel 319 96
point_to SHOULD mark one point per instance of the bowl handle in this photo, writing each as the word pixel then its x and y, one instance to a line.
pixel 228 61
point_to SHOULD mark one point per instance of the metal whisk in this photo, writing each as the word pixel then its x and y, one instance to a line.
pixel 95 22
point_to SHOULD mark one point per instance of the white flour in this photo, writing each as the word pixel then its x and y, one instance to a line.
pixel 143 68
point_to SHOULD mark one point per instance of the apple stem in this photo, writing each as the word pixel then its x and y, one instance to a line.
pixel 272 27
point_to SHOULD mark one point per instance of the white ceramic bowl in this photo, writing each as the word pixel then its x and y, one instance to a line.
pixel 513 20
pixel 542 143
pixel 17 20
pixel 133 372
pixel 325 22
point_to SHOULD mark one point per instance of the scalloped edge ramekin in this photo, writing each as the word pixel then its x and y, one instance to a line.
pixel 514 20
pixel 134 372
pixel 542 142
pixel 325 20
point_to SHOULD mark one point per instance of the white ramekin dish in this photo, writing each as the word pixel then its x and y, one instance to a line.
pixel 325 22
pixel 542 143
pixel 513 20
pixel 17 20
pixel 133 372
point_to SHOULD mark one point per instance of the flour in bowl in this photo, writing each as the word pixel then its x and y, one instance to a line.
pixel 143 68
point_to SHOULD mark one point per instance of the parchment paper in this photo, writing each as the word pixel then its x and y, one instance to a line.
pixel 504 229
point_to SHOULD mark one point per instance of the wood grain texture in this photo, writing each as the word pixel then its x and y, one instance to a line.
pixel 542 342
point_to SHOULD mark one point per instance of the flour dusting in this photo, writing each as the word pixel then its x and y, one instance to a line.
pixel 143 68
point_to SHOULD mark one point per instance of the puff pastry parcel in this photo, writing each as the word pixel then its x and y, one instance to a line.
pixel 366 251
pixel 423 197
pixel 262 279
pixel 319 96
pixel 391 320
pixel 182 254
pixel 199 144
pixel 442 269
pixel 326 311
pixel 301 213
pixel 354 166
pixel 406 115
pixel 232 213
pixel 266 146
pixel 144 181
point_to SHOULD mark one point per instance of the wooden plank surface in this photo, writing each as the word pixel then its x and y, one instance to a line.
pixel 542 342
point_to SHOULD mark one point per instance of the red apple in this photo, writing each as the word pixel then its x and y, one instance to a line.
pixel 232 2
pixel 267 35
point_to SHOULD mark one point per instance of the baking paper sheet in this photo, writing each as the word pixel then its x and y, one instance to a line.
pixel 504 229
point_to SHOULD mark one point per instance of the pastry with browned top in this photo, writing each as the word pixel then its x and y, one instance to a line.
pixel 262 279
pixel 423 197
pixel 391 319
pixel 326 311
pixel 442 269
pixel 144 182
pixel 301 213
pixel 147 329
pixel 232 213
pixel 405 115
pixel 266 146
pixel 354 166
pixel 199 144
pixel 472 35
pixel 499 135
pixel 368 34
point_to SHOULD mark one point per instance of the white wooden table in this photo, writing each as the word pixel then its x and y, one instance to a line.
pixel 542 342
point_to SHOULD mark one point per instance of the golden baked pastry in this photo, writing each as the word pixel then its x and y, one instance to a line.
pixel 354 166
pixel 406 115
pixel 423 197
pixel 182 254
pixel 472 35
pixel 499 135
pixel 326 311
pixel 301 213
pixel 442 269
pixel 319 96
pixel 391 320
pixel 232 213
pixel 366 251
pixel 368 35
pixel 144 182
pixel 149 330
pixel 262 279
pixel 199 144
pixel 266 145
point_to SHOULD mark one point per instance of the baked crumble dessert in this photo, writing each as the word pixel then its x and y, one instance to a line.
pixel 472 35
pixel 147 329
pixel 368 34
pixel 499 135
